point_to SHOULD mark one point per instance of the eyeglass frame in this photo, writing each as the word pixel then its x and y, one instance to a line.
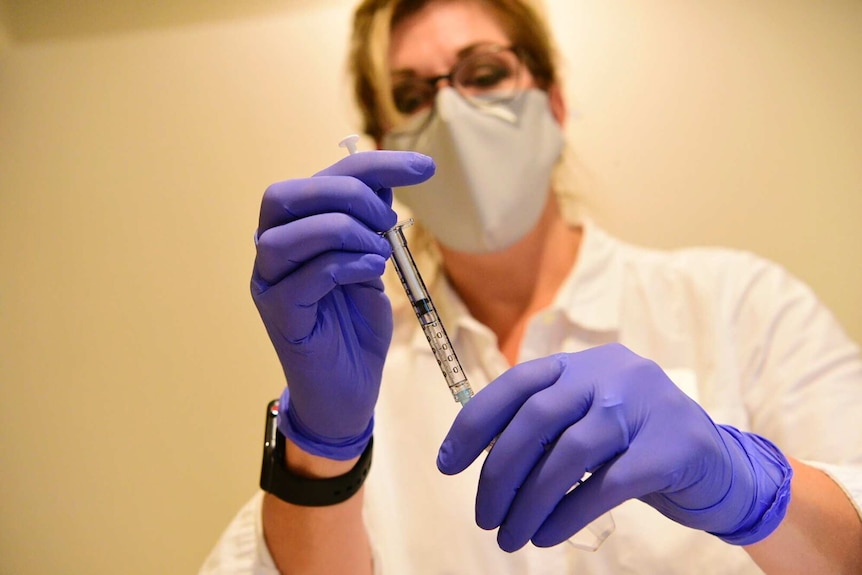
pixel 464 55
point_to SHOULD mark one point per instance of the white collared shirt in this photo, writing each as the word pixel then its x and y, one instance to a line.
pixel 738 334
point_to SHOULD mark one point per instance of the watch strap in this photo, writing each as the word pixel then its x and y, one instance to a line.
pixel 277 479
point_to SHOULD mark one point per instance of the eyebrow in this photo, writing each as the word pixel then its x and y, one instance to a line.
pixel 460 54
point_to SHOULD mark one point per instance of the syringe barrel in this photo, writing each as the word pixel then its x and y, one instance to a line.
pixel 405 266
pixel 444 353
pixel 427 315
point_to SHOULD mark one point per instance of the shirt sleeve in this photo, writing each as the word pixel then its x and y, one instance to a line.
pixel 848 478
pixel 242 549
pixel 802 375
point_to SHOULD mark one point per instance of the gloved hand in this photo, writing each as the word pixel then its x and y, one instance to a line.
pixel 317 286
pixel 616 415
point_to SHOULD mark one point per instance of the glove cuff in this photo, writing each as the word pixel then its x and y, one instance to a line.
pixel 772 474
pixel 340 448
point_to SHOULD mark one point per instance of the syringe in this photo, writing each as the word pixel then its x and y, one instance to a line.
pixel 422 305
pixel 427 314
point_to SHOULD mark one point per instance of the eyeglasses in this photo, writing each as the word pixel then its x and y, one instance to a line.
pixel 488 73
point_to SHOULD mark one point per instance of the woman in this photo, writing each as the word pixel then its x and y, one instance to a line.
pixel 520 282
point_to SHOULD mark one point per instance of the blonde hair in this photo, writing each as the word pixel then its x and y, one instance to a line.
pixel 373 21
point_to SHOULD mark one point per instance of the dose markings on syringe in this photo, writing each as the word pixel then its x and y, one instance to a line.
pixel 446 358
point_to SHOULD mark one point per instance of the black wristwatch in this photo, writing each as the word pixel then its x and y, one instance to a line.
pixel 275 478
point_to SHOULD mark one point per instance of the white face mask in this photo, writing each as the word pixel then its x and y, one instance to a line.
pixel 494 168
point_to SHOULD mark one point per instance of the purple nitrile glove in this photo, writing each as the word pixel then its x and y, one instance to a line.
pixel 612 413
pixel 317 286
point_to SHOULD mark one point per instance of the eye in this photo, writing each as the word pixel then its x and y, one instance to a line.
pixel 485 76
pixel 484 72
pixel 410 96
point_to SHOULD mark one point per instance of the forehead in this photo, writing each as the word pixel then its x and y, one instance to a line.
pixel 428 41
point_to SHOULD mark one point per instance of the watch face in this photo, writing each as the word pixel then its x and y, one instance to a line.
pixel 269 439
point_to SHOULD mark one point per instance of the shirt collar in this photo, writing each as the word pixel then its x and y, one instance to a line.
pixel 591 295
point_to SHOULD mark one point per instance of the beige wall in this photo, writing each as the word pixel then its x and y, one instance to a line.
pixel 134 369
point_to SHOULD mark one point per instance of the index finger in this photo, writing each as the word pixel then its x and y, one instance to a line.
pixel 359 185
pixel 491 410
pixel 383 169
